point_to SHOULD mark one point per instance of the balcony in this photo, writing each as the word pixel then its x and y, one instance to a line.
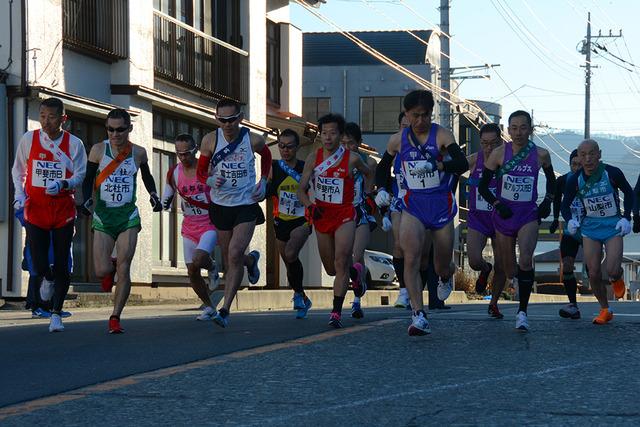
pixel 99 28
pixel 191 58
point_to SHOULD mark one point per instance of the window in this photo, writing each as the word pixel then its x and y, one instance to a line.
pixel 314 108
pixel 380 114
pixel 274 81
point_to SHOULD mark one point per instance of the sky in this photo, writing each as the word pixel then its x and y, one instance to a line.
pixel 534 41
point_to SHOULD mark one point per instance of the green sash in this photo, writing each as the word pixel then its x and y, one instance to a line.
pixel 591 181
pixel 522 154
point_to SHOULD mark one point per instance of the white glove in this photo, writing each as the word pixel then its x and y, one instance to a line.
pixel 624 226
pixel 383 198
pixel 216 181
pixel 386 223
pixel 18 202
pixel 260 190
pixel 428 168
pixel 573 226
pixel 54 188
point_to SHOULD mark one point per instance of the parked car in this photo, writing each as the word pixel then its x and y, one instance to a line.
pixel 380 269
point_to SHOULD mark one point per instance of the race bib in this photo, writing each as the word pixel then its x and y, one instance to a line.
pixel 289 204
pixel 190 210
pixel 600 206
pixel 235 173
pixel 577 209
pixel 329 189
pixel 417 177
pixel 481 203
pixel 45 172
pixel 117 190
pixel 517 188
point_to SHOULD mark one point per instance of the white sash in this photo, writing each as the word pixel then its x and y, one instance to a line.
pixel 330 162
pixel 57 152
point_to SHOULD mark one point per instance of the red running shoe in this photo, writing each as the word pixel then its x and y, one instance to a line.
pixel 114 325
pixel 481 283
pixel 108 280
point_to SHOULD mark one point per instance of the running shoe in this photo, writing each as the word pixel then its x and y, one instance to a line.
pixel 107 281
pixel 298 301
pixel 619 288
pixel 522 323
pixel 302 312
pixel 570 311
pixel 444 289
pixel 494 312
pixel 207 314
pixel 221 321
pixel 358 280
pixel 481 283
pixel 419 325
pixel 40 313
pixel 65 314
pixel 214 277
pixel 604 317
pixel 114 326
pixel 46 289
pixel 356 310
pixel 55 325
pixel 403 299
pixel 335 320
pixel 253 271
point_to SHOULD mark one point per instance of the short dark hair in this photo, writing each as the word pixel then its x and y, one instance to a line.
pixel 332 118
pixel 521 113
pixel 186 138
pixel 53 103
pixel 353 130
pixel 400 117
pixel 228 102
pixel 418 98
pixel 120 113
pixel 491 127
pixel 573 154
pixel 290 132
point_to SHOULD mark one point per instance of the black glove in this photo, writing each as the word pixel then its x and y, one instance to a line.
pixel 636 224
pixel 167 203
pixel 156 204
pixel 85 208
pixel 554 226
pixel 503 210
pixel 544 209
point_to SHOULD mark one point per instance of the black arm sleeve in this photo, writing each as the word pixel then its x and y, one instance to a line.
pixel 147 178
pixel 89 178
pixel 383 171
pixel 569 193
pixel 458 163
pixel 557 197
pixel 620 183
pixel 636 199
pixel 483 186
pixel 551 181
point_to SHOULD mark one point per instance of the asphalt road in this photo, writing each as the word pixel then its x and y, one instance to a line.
pixel 270 369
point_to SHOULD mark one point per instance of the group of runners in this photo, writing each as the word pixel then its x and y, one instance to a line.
pixel 335 191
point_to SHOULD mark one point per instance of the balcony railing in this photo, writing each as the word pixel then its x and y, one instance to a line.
pixel 97 27
pixel 196 60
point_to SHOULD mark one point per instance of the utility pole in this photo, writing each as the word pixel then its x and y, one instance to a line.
pixel 445 71
pixel 586 50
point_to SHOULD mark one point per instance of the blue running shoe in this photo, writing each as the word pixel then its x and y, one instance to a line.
pixel 221 321
pixel 253 272
pixel 298 301
pixel 356 310
pixel 302 312
pixel 39 313
pixel 65 314
pixel 334 320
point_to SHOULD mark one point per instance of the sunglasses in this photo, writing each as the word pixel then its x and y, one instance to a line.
pixel 287 146
pixel 119 130
pixel 229 119
pixel 188 152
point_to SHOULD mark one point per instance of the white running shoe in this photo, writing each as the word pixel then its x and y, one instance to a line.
pixel 46 289
pixel 214 277
pixel 403 299
pixel 419 325
pixel 207 314
pixel 522 323
pixel 55 325
pixel 444 289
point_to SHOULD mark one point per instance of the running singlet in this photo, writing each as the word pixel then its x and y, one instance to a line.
pixel 417 180
pixel 118 190
pixel 476 202
pixel 239 171
pixel 286 205
pixel 43 169
pixel 358 190
pixel 195 220
pixel 601 200
pixel 577 213
pixel 518 188
pixel 335 186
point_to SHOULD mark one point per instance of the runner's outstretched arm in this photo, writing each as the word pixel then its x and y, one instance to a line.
pixel 620 183
pixel 303 188
pixel 149 183
pixel 458 163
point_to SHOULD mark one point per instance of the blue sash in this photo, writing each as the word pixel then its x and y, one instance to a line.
pixel 222 154
pixel 289 171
